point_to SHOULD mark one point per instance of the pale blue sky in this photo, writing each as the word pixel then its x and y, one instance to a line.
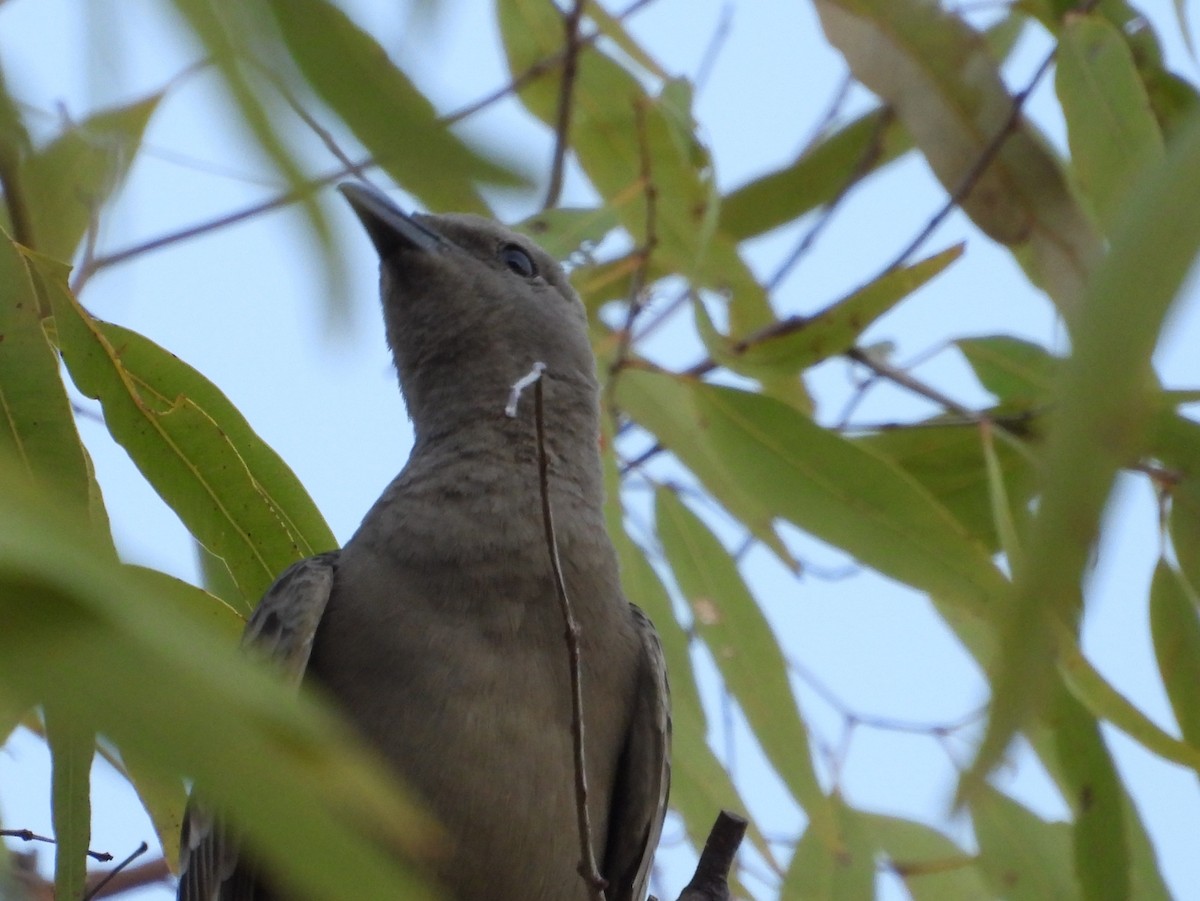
pixel 240 305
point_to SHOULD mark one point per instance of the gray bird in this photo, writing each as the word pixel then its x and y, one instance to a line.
pixel 437 627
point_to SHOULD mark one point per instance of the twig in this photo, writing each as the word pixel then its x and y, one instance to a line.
pixel 566 97
pixel 95 890
pixel 28 835
pixel 968 182
pixel 588 867
pixel 192 231
pixel 904 380
pixel 865 163
pixel 322 133
pixel 637 282
pixel 1015 422
pixel 289 197
pixel 971 176
pixel 719 36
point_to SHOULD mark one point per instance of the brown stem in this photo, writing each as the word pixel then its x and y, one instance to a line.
pixel 566 97
pixel 588 867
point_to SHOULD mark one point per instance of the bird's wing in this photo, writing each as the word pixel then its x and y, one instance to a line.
pixel 282 629
pixel 644 776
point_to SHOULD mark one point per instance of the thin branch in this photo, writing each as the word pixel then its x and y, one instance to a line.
pixel 27 835
pixel 289 197
pixel 322 133
pixel 588 868
pixel 965 186
pixel 637 282
pixel 1014 422
pixel 97 890
pixel 193 231
pixel 715 44
pixel 566 98
pixel 971 177
pixel 904 380
pixel 862 167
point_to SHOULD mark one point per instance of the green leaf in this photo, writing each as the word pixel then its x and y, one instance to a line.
pixel 67 182
pixel 1106 825
pixel 760 455
pixel 72 746
pixel 1104 701
pixel 564 230
pixel 162 796
pixel 612 28
pixel 1002 508
pixel 728 620
pixel 939 76
pixel 1100 425
pixel 815 178
pixel 1175 626
pixel 699 784
pixel 1022 856
pixel 947 459
pixel 231 490
pixel 397 124
pixel 932 866
pixel 37 425
pixel 823 872
pixel 642 155
pixel 1176 444
pixel 1110 125
pixel 662 404
pixel 220 28
pixel 1019 373
pixel 85 640
pixel 785 349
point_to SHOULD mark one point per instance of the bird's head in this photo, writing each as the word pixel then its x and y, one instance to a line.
pixel 469 307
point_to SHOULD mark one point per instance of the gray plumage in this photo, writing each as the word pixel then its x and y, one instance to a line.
pixel 437 628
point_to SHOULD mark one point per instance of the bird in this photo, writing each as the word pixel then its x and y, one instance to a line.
pixel 437 629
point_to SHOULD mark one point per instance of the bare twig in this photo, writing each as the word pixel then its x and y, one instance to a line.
pixel 720 35
pixel 1015 422
pixel 916 386
pixel 141 876
pixel 192 231
pixel 972 175
pixel 566 97
pixel 588 868
pixel 319 130
pixel 967 183
pixel 97 890
pixel 289 197
pixel 862 166
pixel 27 835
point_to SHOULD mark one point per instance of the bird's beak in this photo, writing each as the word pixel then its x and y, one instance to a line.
pixel 387 225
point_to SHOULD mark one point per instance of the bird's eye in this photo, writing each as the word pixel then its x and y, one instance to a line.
pixel 517 260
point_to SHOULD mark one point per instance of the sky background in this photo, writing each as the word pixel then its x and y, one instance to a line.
pixel 243 305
